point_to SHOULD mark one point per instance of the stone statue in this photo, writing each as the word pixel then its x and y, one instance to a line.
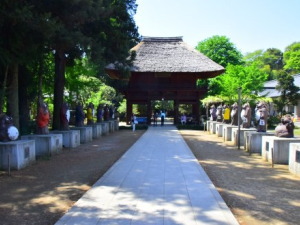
pixel 285 128
pixel 246 115
pixel 213 113
pixel 64 116
pixel 219 113
pixel 99 113
pixel 43 118
pixel 8 132
pixel 261 116
pixel 226 114
pixel 90 114
pixel 106 113
pixel 234 114
pixel 79 116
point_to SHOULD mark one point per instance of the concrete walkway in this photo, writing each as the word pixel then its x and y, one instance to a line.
pixel 157 181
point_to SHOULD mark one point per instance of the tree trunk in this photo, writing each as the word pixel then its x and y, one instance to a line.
pixel 3 90
pixel 59 84
pixel 24 105
pixel 13 94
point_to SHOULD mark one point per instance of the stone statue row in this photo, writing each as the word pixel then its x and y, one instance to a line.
pixel 229 115
pixel 8 132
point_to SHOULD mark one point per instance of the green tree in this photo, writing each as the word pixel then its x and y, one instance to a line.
pixel 269 61
pixel 289 91
pixel 221 50
pixel 291 58
pixel 249 78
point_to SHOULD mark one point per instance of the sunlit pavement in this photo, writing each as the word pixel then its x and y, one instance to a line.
pixel 157 181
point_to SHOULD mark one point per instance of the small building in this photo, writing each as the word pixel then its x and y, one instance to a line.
pixel 166 68
pixel 271 92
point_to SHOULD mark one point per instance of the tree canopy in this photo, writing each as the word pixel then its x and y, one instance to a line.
pixel 221 50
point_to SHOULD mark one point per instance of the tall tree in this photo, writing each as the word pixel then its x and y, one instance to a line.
pixel 291 58
pixel 289 91
pixel 20 28
pixel 221 50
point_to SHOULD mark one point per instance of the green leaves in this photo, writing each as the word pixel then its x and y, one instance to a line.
pixel 220 50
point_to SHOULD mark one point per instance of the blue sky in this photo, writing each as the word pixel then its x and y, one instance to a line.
pixel 249 24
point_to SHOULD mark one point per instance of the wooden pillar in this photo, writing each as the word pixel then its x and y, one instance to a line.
pixel 176 111
pixel 149 112
pixel 128 111
pixel 196 111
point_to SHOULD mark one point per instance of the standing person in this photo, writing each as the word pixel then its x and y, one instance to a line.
pixel 162 118
pixel 133 122
pixel 155 119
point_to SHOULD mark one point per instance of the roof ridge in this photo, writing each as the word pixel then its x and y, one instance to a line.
pixel 162 39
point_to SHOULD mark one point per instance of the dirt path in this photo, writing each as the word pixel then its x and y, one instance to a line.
pixel 256 193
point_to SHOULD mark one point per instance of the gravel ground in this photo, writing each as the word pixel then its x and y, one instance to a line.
pixel 256 193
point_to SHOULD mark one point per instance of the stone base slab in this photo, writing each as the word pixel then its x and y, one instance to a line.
pixel 86 134
pixel 227 131
pixel 16 154
pixel 45 144
pixel 276 149
pixel 294 158
pixel 71 138
pixel 235 136
pixel 253 141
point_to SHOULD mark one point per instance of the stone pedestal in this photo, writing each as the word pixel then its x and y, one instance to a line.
pixel 235 136
pixel 86 134
pixel 45 144
pixel 116 124
pixel 97 131
pixel 16 154
pixel 276 149
pixel 253 141
pixel 227 131
pixel 208 125
pixel 105 128
pixel 294 158
pixel 111 126
pixel 219 129
pixel 71 138
pixel 213 125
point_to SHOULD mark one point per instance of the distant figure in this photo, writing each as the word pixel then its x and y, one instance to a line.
pixel 226 114
pixel 234 114
pixel 246 115
pixel 8 132
pixel 183 119
pixel 213 113
pixel 42 119
pixel 133 122
pixel 64 116
pixel 261 115
pixel 285 128
pixel 155 119
pixel 162 118
pixel 79 116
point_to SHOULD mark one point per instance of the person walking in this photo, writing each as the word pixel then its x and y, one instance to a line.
pixel 133 122
pixel 162 118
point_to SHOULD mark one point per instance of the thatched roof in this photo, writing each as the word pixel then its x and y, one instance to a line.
pixel 170 54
